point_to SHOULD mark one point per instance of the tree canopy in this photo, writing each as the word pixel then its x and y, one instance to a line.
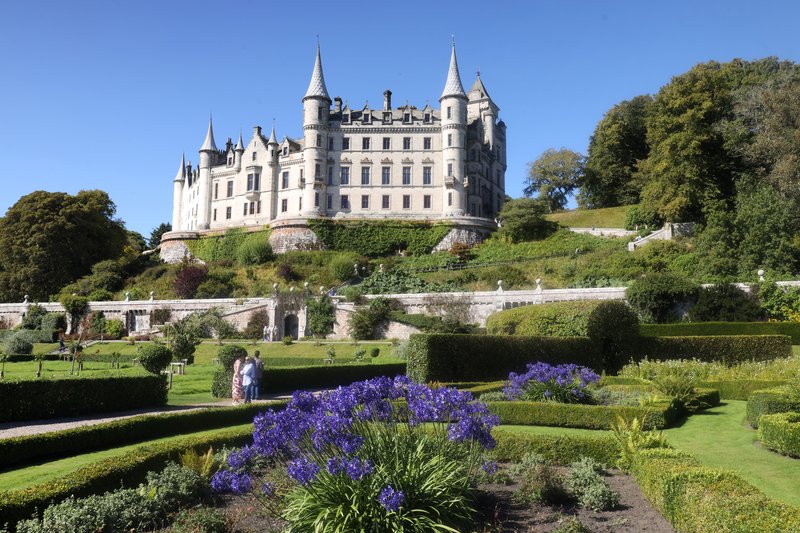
pixel 555 175
pixel 523 220
pixel 50 239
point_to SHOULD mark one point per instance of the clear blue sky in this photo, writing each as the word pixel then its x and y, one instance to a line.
pixel 108 94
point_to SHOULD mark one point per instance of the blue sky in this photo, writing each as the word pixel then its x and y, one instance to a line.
pixel 108 94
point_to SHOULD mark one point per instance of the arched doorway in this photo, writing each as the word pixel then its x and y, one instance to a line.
pixel 290 326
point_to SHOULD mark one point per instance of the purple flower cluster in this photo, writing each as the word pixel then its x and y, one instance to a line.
pixel 233 482
pixel 303 470
pixel 391 499
pixel 562 383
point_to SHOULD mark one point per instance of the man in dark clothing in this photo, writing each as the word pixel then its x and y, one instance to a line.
pixel 258 365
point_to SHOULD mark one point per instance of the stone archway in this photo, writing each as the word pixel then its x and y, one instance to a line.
pixel 291 326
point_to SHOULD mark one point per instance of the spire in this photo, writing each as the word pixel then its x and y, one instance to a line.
pixel 181 176
pixel 452 86
pixel 317 86
pixel 239 145
pixel 209 144
pixel 479 89
pixel 272 138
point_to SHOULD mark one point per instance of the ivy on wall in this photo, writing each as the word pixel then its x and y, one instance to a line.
pixel 379 238
pixel 234 245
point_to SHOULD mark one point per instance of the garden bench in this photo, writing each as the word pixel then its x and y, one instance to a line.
pixel 181 367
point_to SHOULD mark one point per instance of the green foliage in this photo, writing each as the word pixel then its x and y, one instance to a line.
pixel 157 233
pixel 365 322
pixel 234 245
pixel 160 315
pixel 200 520
pixel 780 432
pixel 254 251
pixel 72 396
pixel 287 340
pixel 223 376
pixel 219 283
pixel 18 343
pixel 207 324
pixel 320 316
pixel 657 295
pixel 76 306
pixel 780 303
pixel 342 268
pixel 555 175
pixel 679 383
pixel 683 329
pixel 48 240
pixel 399 281
pixel 523 220
pixel 255 324
pixel 631 438
pixel 617 145
pixel 97 323
pixel 327 376
pixel 724 303
pixel 379 238
pixel 154 357
pixel 33 317
pixel 554 449
pixel 655 416
pixel 182 339
pixel 589 488
pixel 637 218
pixel 770 401
pixel 724 349
pixel 540 483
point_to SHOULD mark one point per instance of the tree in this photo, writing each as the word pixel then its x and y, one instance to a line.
pixel 555 175
pixel 155 235
pixel 617 145
pixel 523 220
pixel 321 316
pixel 50 239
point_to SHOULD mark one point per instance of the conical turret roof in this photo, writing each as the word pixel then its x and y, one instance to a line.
pixel 316 88
pixel 181 175
pixel 209 144
pixel 452 86
pixel 239 145
pixel 272 138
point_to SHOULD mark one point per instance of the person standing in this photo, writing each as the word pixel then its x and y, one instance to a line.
pixel 237 392
pixel 248 372
pixel 265 333
pixel 258 365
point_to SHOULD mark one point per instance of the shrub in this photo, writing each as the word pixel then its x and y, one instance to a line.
pixel 706 329
pixel 256 323
pixel 154 357
pixel 379 238
pixel 770 401
pixel 780 432
pixel 554 449
pixel 364 323
pixel 400 281
pixel 588 487
pixel 540 483
pixel 115 329
pixel 318 377
pixel 341 268
pixel 188 279
pixel 631 438
pixel 725 302
pixel 543 382
pixel 657 296
pixel 97 323
pixel 182 340
pixel 160 315
pixel 18 343
pixel 254 252
pixel 656 416
pixel 285 272
pixel 320 314
pixel 374 352
pixel 728 350
pixel 100 295
pixel 638 218
pixel 200 520
pixel 613 328
pixel 52 324
pixel 76 306
pixel 33 317
pixel 524 220
pixel 223 376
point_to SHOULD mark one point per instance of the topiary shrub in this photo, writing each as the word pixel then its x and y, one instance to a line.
pixel 658 296
pixel 613 327
pixel 18 344
pixel 115 329
pixel 154 357
pixel 725 303
pixel 221 382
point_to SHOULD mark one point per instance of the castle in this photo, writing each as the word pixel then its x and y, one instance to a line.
pixel 399 163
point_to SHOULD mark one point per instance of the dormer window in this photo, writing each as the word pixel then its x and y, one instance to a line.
pixel 285 151
pixel 255 156
pixel 230 160
pixel 427 118
pixel 346 118
pixel 387 117
pixel 366 118
pixel 407 118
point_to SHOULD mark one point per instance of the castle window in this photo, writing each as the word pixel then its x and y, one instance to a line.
pixel 316 199
pixel 364 175
pixel 426 143
pixel 449 199
pixel 449 112
pixel 302 174
pixel 407 118
pixel 252 208
pixel 255 156
pixel 449 139
pixel 386 173
pixel 387 143
pixel 345 176
pixel 285 180
pixel 345 201
pixel 426 175
pixel 244 211
pixel 330 175
pixel 230 160
pixel 385 201
pixel 346 118
pixel 406 201
pixel 406 143
pixel 256 181
pixel 497 176
pixel 284 205
pixel 300 204
pixel 365 143
pixel 227 213
pixel 449 169
pixel 258 207
pixel 285 151
pixel 319 113
pixel 426 201
pixel 427 118
pixel 230 189
pixel 330 143
pixel 366 118
pixel 216 190
pixel 317 170
pixel 406 175
pixel 345 143
pixel 364 201
pixel 330 201
pixel 319 140
pixel 250 183
pixel 215 215
pixel 387 117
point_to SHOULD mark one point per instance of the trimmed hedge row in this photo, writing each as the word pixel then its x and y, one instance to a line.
pixel 110 473
pixel 315 377
pixel 728 390
pixel 780 432
pixel 17 451
pixel 729 350
pixel 555 449
pixel 24 358
pixel 658 416
pixel 52 398
pixel 704 500
pixel 767 402
pixel 684 329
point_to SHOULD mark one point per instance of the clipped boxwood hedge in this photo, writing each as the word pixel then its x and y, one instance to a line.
pixel 657 416
pixel 38 399
pixel 17 451
pixel 454 357
pixel 740 390
pixel 704 500
pixel 780 432
pixel 376 238
pixel 729 350
pixel 769 401
pixel 326 376
pixel 111 473
pixel 555 449
pixel 685 329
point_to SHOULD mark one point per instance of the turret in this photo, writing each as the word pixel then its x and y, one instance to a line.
pixel 454 128
pixel 209 148
pixel 316 113
pixel 238 151
pixel 207 154
pixel 177 194
pixel 483 108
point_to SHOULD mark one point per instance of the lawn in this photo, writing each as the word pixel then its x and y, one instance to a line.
pixel 609 217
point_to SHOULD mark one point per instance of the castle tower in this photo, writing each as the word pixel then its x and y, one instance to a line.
pixel 316 112
pixel 207 158
pixel 177 194
pixel 482 107
pixel 274 171
pixel 454 131
pixel 238 151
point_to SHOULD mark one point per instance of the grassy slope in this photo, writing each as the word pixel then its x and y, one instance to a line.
pixel 42 473
pixel 609 217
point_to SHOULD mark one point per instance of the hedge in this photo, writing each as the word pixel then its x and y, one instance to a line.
pixel 780 432
pixel 658 416
pixel 375 238
pixel 767 402
pixel 729 350
pixel 555 449
pixel 16 451
pixel 697 499
pixel 728 390
pixel 38 399
pixel 24 358
pixel 111 473
pixel 683 329
pixel 454 357
pixel 326 376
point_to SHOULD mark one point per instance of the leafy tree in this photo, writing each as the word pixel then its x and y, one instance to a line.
pixel 50 239
pixel 555 175
pixel 182 339
pixel 523 220
pixel 657 296
pixel 158 231
pixel 154 357
pixel 33 318
pixel 255 324
pixel 617 145
pixel 188 279
pixel 320 316
pixel 726 303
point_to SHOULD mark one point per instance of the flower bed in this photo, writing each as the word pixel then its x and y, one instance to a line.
pixel 780 432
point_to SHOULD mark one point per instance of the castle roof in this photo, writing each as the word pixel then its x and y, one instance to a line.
pixel 239 144
pixel 316 88
pixel 181 176
pixel 479 89
pixel 209 144
pixel 272 138
pixel 452 86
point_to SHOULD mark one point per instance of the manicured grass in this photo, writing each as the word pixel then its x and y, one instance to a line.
pixel 546 430
pixel 720 438
pixel 42 473
pixel 609 217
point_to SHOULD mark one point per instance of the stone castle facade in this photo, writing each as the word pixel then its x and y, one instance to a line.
pixel 400 163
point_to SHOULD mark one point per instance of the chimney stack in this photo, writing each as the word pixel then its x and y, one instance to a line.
pixel 387 100
pixel 337 104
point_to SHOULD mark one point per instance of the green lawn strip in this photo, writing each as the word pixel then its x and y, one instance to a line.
pixel 607 217
pixel 719 439
pixel 42 473
pixel 546 430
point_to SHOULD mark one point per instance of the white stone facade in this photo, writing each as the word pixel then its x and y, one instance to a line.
pixel 354 163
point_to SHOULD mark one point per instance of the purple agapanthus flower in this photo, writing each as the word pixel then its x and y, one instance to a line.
pixel 302 470
pixel 542 381
pixel 391 499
